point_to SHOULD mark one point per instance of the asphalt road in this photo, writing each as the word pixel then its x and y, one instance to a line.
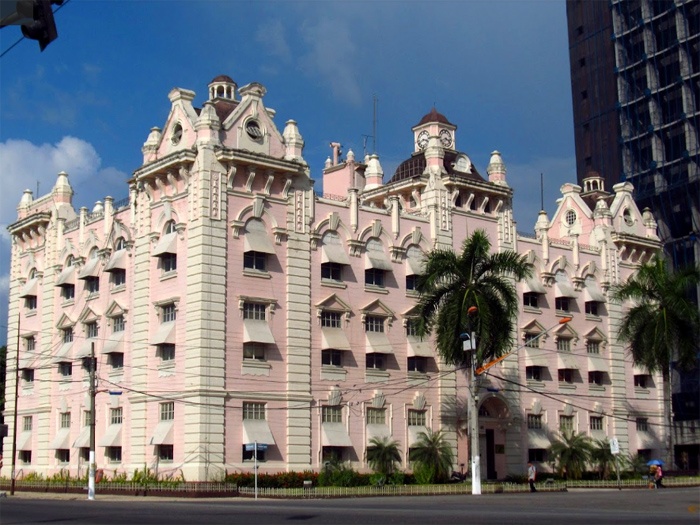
pixel 589 507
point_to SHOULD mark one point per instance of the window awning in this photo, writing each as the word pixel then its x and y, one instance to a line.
pixel 334 253
pixel 85 349
pixel 114 343
pixel 117 261
pixel 257 430
pixel 27 360
pixel 67 276
pixel 418 348
pixel 83 440
pixel 334 435
pixel 64 353
pixel 597 364
pixel 640 370
pixel 414 432
pixel 257 241
pixel 91 269
pixel 534 285
pixel 537 439
pixel 257 332
pixel 334 338
pixel 377 343
pixel 564 290
pixel 377 260
pixel 535 357
pixel 31 288
pixel 165 334
pixel 163 433
pixel 593 294
pixel 567 362
pixel 415 266
pixel 61 440
pixel 113 437
pixel 166 244
pixel 377 431
pixel 24 440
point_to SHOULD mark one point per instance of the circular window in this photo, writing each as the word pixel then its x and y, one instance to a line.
pixel 253 130
pixel 570 217
pixel 627 217
pixel 177 134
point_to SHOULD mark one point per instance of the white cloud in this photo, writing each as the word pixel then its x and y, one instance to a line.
pixel 271 34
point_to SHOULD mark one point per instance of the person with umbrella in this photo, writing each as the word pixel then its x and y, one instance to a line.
pixel 657 472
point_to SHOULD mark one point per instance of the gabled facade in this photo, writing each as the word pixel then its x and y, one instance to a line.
pixel 229 303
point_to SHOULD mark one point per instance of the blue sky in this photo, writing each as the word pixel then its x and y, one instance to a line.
pixel 497 69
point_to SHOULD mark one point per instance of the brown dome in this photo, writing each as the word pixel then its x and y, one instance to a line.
pixel 223 78
pixel 415 165
pixel 434 116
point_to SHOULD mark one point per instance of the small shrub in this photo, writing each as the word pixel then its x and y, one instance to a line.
pixel 425 474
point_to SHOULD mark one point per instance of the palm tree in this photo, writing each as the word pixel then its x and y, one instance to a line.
pixel 570 454
pixel 453 283
pixel 431 451
pixel 383 454
pixel 602 457
pixel 663 325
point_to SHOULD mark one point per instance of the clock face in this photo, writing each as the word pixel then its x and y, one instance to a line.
pixel 446 138
pixel 422 141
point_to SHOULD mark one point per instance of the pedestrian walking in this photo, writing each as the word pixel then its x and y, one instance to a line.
pixel 658 477
pixel 531 476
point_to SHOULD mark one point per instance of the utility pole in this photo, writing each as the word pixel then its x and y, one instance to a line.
pixel 93 466
pixel 469 345
pixel 14 413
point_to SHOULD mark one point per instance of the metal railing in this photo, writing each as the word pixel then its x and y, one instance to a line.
pixel 121 203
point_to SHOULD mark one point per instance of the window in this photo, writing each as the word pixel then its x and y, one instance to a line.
pixel 416 418
pixel 114 454
pixel 592 307
pixel 115 416
pixel 595 378
pixel 169 313
pixel 67 334
pixel 330 319
pixel 91 330
pixel 563 344
pixel 120 244
pixel 25 457
pixel 537 454
pixel 531 299
pixel 534 421
pixel 596 423
pixel 642 424
pixel 248 454
pixel 411 282
pixel 412 327
pixel 331 414
pixel 331 357
pixel 532 340
pixel 67 292
pixel 118 324
pixel 168 262
pixel 165 453
pixel 254 410
pixel 593 347
pixel 86 363
pixel 118 277
pixel 374 277
pixel 255 261
pixel 374 323
pixel 566 423
pixel 170 227
pixel 533 373
pixel 561 304
pixel 92 285
pixel 86 418
pixel 254 351
pixel 332 454
pixel 116 359
pixel 642 381
pixel 28 375
pixel 64 420
pixel 566 375
pixel 63 455
pixel 166 352
pixel 30 344
pixel 65 369
pixel 30 302
pixel 418 364
pixel 376 416
pixel 375 361
pixel 333 271
pixel 254 311
pixel 167 411
pixel 27 423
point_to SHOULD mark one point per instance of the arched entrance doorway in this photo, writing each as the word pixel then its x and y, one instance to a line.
pixel 494 422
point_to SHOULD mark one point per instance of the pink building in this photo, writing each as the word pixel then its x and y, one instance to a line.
pixel 228 303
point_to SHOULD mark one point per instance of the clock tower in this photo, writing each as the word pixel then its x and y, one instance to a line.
pixel 434 124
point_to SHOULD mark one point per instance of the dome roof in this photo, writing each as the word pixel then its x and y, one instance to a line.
pixel 434 116
pixel 223 78
pixel 414 167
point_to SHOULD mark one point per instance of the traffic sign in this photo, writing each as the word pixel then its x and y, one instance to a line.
pixel 614 446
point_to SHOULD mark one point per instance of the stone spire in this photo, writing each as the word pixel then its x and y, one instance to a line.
pixel 151 145
pixel 293 141
pixel 374 174
pixel 497 169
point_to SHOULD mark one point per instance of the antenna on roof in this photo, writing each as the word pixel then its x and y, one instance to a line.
pixel 375 105
pixel 542 190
